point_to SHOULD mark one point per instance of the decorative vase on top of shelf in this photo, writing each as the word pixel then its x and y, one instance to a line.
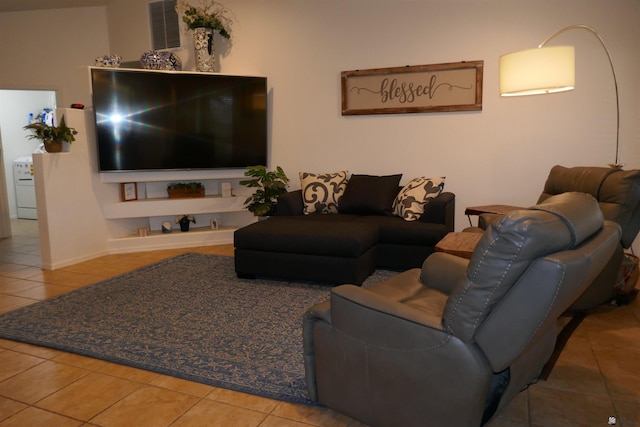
pixel 205 49
pixel 204 21
pixel 185 221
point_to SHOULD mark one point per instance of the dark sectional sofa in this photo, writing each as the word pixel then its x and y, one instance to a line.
pixel 338 247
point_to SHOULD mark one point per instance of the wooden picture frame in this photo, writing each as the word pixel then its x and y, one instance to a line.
pixel 128 191
pixel 455 86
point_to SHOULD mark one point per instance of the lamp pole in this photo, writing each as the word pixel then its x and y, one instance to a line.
pixel 615 80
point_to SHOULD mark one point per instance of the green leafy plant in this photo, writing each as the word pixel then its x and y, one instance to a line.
pixel 46 132
pixel 184 185
pixel 269 185
pixel 209 15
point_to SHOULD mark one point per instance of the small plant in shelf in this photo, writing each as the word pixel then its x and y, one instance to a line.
pixel 185 221
pixel 185 189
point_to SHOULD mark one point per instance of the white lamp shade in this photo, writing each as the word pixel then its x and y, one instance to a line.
pixel 537 71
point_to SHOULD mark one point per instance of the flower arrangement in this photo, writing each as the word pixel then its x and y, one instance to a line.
pixel 209 15
pixel 185 218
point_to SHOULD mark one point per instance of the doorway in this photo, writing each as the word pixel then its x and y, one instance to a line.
pixel 17 108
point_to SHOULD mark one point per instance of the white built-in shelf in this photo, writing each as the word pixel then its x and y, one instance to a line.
pixel 165 206
pixel 154 176
pixel 156 240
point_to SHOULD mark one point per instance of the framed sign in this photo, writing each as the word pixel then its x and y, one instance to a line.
pixel 453 86
pixel 128 191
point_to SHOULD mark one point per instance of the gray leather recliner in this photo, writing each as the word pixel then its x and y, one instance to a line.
pixel 618 194
pixel 451 343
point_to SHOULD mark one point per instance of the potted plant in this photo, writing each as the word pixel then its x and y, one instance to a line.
pixel 185 189
pixel 184 221
pixel 209 15
pixel 269 185
pixel 52 136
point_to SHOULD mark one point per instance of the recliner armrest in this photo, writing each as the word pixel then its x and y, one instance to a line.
pixel 360 310
pixel 443 271
pixel 486 219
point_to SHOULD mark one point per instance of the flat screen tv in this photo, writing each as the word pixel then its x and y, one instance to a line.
pixel 178 121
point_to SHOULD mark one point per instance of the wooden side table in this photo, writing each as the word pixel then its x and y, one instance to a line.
pixel 461 244
pixel 493 209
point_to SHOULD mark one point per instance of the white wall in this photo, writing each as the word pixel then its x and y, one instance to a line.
pixel 15 106
pixel 70 220
pixel 499 155
pixel 42 49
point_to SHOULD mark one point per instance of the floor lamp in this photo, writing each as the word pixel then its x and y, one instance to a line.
pixel 549 70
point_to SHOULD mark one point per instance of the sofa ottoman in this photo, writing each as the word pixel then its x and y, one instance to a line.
pixel 306 250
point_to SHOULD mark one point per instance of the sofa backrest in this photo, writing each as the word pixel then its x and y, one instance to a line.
pixel 526 270
pixel 617 193
pixel 440 210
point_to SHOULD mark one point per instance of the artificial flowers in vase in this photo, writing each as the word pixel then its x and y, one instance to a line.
pixel 204 21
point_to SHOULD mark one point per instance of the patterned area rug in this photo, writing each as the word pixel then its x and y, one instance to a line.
pixel 188 317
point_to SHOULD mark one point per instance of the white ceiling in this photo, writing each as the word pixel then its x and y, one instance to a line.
pixel 17 5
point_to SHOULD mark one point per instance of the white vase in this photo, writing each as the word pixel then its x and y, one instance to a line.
pixel 205 50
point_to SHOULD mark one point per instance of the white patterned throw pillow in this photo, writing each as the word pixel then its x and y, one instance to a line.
pixel 321 193
pixel 412 199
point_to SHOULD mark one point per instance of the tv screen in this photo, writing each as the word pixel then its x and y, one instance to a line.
pixel 166 121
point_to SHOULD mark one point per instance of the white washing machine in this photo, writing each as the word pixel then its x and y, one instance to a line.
pixel 25 187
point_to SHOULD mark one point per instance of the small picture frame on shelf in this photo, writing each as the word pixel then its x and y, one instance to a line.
pixel 215 223
pixel 128 191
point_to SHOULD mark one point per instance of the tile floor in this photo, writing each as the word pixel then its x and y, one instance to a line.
pixel 596 377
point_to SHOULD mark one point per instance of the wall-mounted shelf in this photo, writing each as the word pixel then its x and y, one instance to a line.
pixel 162 207
pixel 152 207
pixel 156 240
pixel 186 175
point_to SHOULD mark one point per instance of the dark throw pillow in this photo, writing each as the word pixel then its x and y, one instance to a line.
pixel 370 195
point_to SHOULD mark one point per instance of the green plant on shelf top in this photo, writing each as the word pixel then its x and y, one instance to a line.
pixel 185 189
pixel 47 132
pixel 184 185
pixel 269 184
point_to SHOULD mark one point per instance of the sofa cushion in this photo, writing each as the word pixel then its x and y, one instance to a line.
pixel 301 236
pixel 394 230
pixel 410 202
pixel 322 192
pixel 369 195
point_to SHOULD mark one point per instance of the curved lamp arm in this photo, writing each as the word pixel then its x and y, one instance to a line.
pixel 615 80
pixel 549 69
